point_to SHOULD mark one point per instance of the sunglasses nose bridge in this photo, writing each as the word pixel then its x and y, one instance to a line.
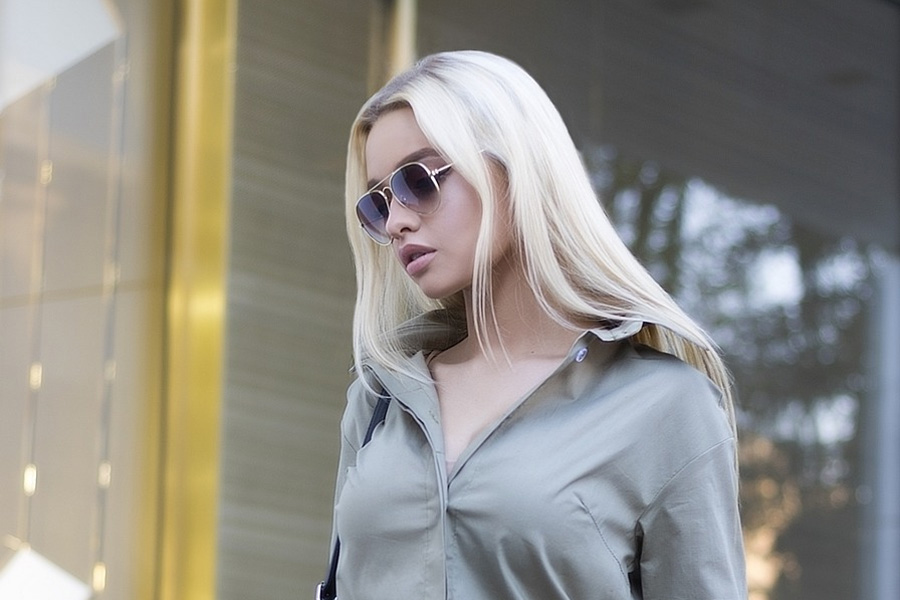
pixel 400 217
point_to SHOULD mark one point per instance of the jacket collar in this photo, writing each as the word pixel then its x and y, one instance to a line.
pixel 613 331
pixel 441 329
pixel 434 330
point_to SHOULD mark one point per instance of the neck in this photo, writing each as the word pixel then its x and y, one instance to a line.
pixel 518 327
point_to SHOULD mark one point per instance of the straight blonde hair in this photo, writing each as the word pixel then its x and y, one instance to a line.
pixel 480 112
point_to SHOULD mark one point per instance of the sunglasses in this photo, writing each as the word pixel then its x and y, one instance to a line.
pixel 413 185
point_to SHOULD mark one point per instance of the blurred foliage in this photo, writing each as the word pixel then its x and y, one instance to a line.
pixel 787 306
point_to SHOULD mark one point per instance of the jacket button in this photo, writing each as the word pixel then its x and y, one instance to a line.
pixel 582 354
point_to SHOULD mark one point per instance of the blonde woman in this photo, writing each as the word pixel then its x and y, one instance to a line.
pixel 556 427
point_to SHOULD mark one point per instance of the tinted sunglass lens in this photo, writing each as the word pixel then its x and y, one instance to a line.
pixel 372 212
pixel 415 187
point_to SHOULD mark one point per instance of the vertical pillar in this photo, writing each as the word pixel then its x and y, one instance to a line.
pixel 393 39
pixel 880 547
pixel 195 303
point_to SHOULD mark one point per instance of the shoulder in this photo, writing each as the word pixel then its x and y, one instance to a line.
pixel 677 405
pixel 675 381
pixel 669 420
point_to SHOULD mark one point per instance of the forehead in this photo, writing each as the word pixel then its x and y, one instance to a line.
pixel 395 139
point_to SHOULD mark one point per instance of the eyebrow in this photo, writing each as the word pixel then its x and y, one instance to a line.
pixel 414 156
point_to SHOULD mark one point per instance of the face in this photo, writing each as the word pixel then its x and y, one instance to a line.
pixel 436 250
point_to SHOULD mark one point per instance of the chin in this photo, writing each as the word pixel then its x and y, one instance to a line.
pixel 439 292
pixel 436 295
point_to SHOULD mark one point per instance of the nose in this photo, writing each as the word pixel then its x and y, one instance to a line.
pixel 400 219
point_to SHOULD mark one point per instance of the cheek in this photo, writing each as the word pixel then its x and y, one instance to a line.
pixel 463 217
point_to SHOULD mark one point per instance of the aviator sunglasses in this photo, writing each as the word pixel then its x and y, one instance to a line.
pixel 413 185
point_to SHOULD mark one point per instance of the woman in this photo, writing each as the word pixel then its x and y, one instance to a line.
pixel 557 426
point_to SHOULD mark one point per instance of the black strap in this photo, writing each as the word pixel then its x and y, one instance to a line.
pixel 327 590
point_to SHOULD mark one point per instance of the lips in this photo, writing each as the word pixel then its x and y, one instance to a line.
pixel 415 258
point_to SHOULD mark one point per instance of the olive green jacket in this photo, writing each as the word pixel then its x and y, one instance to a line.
pixel 614 479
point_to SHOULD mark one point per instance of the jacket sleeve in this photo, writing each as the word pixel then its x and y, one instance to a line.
pixel 692 547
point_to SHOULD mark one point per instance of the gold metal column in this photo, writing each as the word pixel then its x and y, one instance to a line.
pixel 195 297
pixel 392 46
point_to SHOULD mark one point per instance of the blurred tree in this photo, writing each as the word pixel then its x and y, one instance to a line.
pixel 787 306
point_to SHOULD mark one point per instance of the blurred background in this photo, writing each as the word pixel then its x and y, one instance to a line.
pixel 176 288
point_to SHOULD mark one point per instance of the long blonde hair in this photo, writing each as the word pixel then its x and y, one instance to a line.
pixel 482 111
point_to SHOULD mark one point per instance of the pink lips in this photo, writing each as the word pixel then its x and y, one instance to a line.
pixel 415 258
